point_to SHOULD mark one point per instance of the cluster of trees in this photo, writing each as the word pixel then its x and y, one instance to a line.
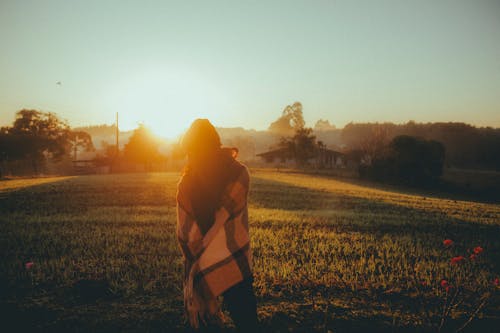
pixel 387 151
pixel 466 146
pixel 103 134
pixel 302 146
pixel 406 159
pixel 142 148
pixel 298 140
pixel 36 137
pixel 383 153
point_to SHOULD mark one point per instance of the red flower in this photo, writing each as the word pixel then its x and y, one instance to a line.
pixel 457 260
pixel 444 283
pixel 473 256
pixel 496 281
pixel 448 242
pixel 478 249
pixel 449 288
pixel 28 265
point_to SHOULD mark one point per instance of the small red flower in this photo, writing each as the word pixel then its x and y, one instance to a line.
pixel 473 256
pixel 449 288
pixel 496 281
pixel 444 283
pixel 28 265
pixel 447 242
pixel 478 249
pixel 457 260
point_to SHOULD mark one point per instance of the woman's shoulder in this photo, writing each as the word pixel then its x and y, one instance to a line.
pixel 229 155
pixel 242 175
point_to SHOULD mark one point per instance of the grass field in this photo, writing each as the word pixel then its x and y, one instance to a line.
pixel 328 256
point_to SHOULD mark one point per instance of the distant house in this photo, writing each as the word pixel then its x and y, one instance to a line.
pixel 323 159
pixel 330 159
pixel 281 155
pixel 84 167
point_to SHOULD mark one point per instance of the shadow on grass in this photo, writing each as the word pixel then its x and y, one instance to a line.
pixel 424 225
pixel 133 316
pixel 444 190
pixel 80 193
pixel 382 218
pixel 139 314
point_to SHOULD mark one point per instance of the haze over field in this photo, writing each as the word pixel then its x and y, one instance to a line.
pixel 238 64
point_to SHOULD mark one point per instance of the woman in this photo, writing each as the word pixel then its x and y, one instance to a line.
pixel 212 230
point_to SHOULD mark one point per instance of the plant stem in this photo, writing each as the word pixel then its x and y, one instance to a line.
pixel 474 314
pixel 443 316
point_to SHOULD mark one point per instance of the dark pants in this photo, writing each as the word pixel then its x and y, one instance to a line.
pixel 242 306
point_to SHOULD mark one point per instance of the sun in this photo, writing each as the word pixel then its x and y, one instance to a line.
pixel 169 127
pixel 167 101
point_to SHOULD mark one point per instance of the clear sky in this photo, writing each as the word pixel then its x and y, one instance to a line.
pixel 240 63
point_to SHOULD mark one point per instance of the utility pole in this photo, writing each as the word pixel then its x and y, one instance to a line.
pixel 117 136
pixel 75 148
pixel 114 160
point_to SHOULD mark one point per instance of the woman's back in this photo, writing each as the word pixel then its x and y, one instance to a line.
pixel 213 233
pixel 205 183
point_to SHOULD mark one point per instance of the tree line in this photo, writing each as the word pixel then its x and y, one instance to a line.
pixel 466 146
pixel 384 150
pixel 411 153
pixel 37 137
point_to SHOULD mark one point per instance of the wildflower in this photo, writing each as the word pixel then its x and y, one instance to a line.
pixel 473 256
pixel 28 265
pixel 478 249
pixel 457 260
pixel 447 242
pixel 496 281
pixel 444 283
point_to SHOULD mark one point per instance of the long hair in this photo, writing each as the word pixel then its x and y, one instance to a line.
pixel 208 171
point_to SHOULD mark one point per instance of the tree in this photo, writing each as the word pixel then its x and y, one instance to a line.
pixel 417 160
pixel 302 145
pixel 408 160
pixel 466 146
pixel 80 140
pixel 291 120
pixel 142 147
pixel 8 144
pixel 323 125
pixel 370 139
pixel 35 135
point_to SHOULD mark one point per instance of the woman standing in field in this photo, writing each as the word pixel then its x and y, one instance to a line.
pixel 212 230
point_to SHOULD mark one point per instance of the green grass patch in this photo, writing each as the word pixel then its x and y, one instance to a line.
pixel 328 254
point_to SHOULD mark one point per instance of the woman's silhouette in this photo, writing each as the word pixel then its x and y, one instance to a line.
pixel 212 229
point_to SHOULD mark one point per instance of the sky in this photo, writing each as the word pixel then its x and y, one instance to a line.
pixel 239 63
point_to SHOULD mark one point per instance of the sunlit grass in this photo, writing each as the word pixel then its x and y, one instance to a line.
pixel 322 247
pixel 16 184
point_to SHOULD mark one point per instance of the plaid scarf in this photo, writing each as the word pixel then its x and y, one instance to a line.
pixel 221 257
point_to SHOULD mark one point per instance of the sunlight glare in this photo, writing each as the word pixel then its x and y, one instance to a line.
pixel 167 100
